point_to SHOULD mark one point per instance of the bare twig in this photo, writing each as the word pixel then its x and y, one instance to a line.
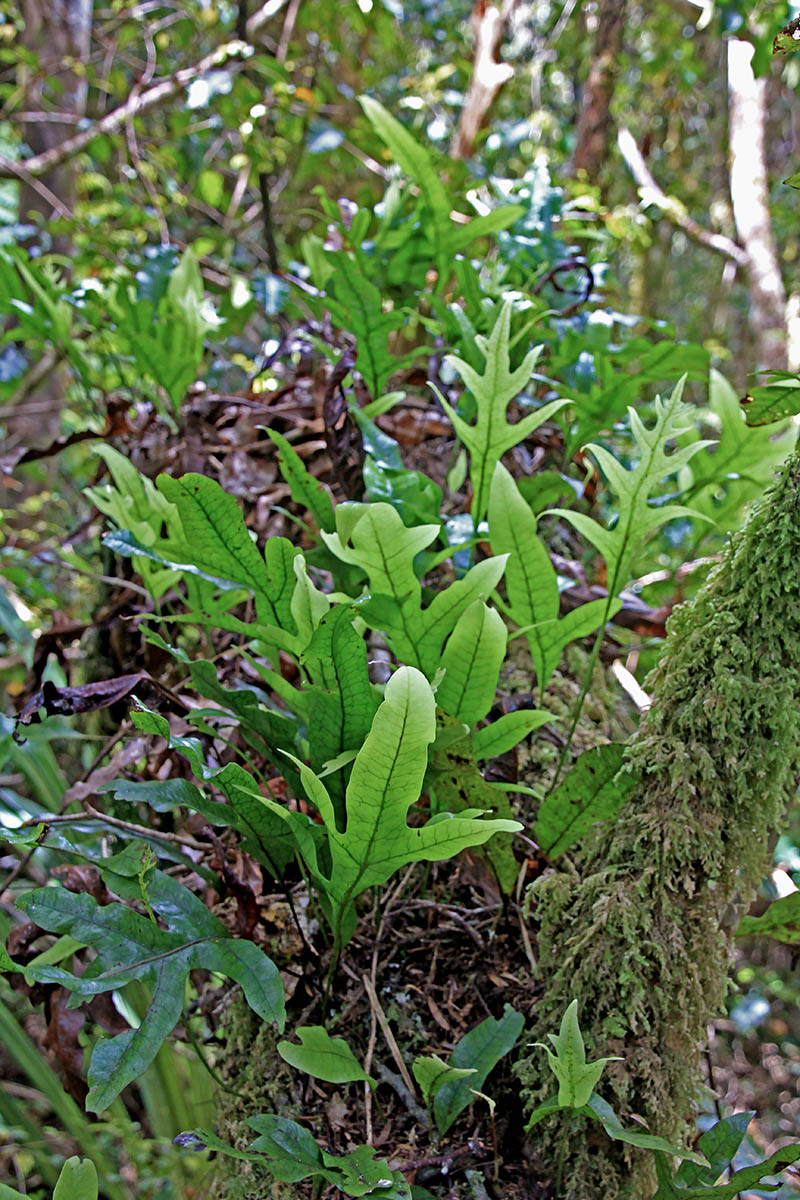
pixel 651 193
pixel 263 14
pixel 488 74
pixel 391 1041
pixel 134 106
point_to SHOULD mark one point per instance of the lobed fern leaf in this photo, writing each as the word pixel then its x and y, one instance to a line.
pixel 492 433
pixel 634 488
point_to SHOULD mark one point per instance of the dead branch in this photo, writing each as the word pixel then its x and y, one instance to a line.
pixel 673 210
pixel 488 73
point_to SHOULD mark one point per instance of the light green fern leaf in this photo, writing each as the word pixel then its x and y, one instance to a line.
pixel 374 538
pixel 492 433
pixel 386 780
pixel 472 660
pixel 634 488
pixel 531 580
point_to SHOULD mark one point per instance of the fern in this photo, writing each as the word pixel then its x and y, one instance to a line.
pixel 417 163
pixel 634 488
pixel 386 780
pixel 492 433
pixel 374 538
pixel 531 580
pixel 355 304
pixel 637 517
pixel 742 463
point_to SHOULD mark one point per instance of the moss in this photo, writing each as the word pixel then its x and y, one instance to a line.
pixel 260 1083
pixel 642 935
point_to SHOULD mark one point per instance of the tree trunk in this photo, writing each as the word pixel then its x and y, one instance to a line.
pixel 594 121
pixel 58 32
pixel 643 937
pixel 488 73
pixel 747 106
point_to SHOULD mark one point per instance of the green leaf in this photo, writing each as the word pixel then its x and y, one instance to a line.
pixel 416 162
pixel 374 538
pixel 322 1056
pixel 634 487
pixel 472 660
pixel 130 946
pixel 576 1078
pixel 361 1173
pixel 77 1181
pixel 481 1049
pixel 492 222
pixel 492 434
pixel 292 1154
pixel 304 488
pixel 386 780
pixel 719 1144
pixel 788 39
pixel 742 463
pixel 342 702
pixel 432 1073
pixel 774 401
pixel 507 731
pixel 738 1183
pixel 599 1110
pixel 211 188
pixel 781 921
pixel 532 582
pixel 458 786
pixel 217 542
pixel 356 305
pixel 593 790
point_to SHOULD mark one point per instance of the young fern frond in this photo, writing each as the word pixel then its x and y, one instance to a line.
pixel 492 434
pixel 636 517
pixel 385 781
pixel 635 487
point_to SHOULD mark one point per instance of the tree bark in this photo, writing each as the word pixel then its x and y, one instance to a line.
pixel 58 32
pixel 642 937
pixel 594 121
pixel 747 108
pixel 488 73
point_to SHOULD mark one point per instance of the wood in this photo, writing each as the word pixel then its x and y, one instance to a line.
pixel 489 74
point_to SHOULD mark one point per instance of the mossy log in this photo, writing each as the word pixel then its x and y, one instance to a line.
pixel 643 936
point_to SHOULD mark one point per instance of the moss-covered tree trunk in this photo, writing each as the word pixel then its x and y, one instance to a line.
pixel 642 938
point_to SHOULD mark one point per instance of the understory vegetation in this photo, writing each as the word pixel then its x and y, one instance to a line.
pixel 399 604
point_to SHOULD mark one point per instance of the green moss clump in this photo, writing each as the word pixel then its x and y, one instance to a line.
pixel 642 936
pixel 260 1083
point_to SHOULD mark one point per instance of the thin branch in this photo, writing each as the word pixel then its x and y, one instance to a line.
pixel 489 74
pixel 673 210
pixel 133 107
pixel 262 15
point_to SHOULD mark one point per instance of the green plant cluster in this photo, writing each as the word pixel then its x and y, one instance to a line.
pixel 384 774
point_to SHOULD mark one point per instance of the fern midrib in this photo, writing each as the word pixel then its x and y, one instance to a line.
pixel 258 588
pixel 366 859
pixel 633 512
pixel 411 642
